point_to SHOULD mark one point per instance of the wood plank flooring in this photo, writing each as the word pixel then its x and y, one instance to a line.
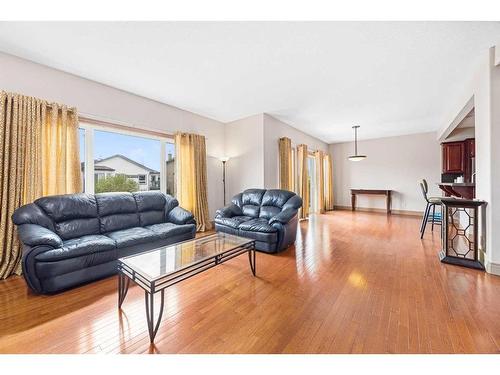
pixel 355 283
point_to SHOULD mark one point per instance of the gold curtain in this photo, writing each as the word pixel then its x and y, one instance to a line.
pixel 303 180
pixel 285 155
pixel 23 121
pixel 191 165
pixel 328 183
pixel 320 180
pixel 25 146
pixel 60 154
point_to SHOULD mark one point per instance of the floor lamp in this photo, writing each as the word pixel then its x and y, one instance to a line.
pixel 224 159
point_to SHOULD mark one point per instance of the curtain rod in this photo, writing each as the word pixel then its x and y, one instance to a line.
pixel 310 151
pixel 120 125
pixel 52 105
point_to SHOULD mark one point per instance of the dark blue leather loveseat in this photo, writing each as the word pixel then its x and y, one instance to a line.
pixel 267 216
pixel 73 239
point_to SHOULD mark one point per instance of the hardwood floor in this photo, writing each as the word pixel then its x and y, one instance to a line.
pixel 355 283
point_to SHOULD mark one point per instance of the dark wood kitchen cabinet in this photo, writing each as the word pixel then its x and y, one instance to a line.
pixel 471 147
pixel 454 157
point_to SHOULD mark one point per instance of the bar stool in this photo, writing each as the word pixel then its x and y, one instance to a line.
pixel 432 202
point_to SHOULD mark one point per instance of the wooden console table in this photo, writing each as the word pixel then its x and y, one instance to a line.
pixel 387 194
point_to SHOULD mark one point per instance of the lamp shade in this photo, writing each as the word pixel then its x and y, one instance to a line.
pixel 357 157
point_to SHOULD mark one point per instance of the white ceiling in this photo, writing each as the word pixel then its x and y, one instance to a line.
pixel 391 78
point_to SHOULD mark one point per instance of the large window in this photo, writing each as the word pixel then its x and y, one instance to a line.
pixel 115 160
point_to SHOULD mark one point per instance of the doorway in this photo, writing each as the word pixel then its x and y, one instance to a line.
pixel 311 181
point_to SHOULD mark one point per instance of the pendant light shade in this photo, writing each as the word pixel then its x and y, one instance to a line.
pixel 356 157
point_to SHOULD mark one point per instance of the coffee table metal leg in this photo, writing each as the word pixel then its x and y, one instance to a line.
pixel 150 313
pixel 123 284
pixel 251 259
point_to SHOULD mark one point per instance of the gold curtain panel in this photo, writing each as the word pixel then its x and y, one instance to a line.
pixel 320 180
pixel 60 152
pixel 285 160
pixel 303 180
pixel 191 172
pixel 38 143
pixel 328 183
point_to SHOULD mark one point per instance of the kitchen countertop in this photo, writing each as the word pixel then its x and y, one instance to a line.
pixel 457 184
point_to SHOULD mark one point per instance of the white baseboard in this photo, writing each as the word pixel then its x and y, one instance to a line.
pixel 381 210
pixel 493 268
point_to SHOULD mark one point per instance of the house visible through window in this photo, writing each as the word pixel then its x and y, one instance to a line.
pixel 125 161
pixel 170 168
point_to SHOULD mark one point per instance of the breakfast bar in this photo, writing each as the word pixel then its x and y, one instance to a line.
pixel 465 190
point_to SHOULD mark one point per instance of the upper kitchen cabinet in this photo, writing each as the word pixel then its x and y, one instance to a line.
pixel 454 157
pixel 471 147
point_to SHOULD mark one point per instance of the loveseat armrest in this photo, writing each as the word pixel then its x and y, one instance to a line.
pixel 36 235
pixel 229 211
pixel 284 216
pixel 180 216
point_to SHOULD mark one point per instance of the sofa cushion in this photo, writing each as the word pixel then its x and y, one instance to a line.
pixel 151 207
pixel 77 228
pixel 268 212
pixel 250 202
pixel 252 196
pixel 166 230
pixel 276 197
pixel 74 215
pixel 69 206
pixel 78 247
pixel 258 229
pixel 233 222
pixel 258 225
pixel 273 202
pixel 132 236
pixel 117 211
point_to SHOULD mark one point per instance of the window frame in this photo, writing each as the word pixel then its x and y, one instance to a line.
pixel 89 133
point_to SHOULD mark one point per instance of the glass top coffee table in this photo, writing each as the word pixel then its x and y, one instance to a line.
pixel 157 269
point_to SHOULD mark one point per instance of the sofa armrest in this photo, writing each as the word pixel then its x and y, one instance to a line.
pixel 229 211
pixel 36 235
pixel 180 216
pixel 284 216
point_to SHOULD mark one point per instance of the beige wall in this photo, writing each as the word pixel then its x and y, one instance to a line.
pixel 396 163
pixel 252 145
pixel 107 103
pixel 245 147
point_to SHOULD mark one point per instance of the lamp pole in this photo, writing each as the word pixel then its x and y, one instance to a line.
pixel 224 159
pixel 224 179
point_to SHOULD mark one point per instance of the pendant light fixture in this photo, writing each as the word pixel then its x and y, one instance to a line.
pixel 356 157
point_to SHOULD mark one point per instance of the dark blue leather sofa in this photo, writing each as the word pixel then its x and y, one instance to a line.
pixel 69 240
pixel 267 216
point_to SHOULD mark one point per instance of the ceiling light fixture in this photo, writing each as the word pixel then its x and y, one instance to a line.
pixel 356 157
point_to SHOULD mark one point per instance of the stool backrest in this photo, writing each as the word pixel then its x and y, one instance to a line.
pixel 424 187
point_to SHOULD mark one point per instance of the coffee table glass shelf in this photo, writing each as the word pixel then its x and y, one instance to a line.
pixel 157 269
